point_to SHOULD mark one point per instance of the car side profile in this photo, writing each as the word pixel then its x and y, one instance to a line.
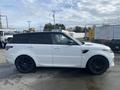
pixel 56 49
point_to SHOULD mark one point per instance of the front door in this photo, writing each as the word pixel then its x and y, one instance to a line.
pixel 66 52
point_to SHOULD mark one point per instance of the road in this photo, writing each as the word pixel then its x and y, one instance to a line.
pixel 58 78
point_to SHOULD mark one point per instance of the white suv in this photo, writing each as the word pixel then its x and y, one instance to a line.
pixel 56 49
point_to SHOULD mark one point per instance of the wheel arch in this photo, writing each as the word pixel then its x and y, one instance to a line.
pixel 24 55
pixel 98 55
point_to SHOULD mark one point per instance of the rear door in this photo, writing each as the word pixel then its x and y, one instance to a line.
pixel 41 48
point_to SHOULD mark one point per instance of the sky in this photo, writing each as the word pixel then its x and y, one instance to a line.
pixel 68 12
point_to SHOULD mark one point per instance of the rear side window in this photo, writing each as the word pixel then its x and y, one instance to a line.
pixel 32 38
pixel 22 38
pixel 40 38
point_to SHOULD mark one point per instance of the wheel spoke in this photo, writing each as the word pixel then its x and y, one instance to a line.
pixel 25 64
pixel 98 65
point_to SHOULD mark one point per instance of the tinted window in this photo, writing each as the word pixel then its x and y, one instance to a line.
pixel 9 40
pixel 40 38
pixel 62 39
pixel 21 38
pixel 36 38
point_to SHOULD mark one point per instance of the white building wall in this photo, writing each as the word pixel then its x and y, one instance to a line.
pixel 107 32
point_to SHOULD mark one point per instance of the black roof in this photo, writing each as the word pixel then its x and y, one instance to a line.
pixel 38 33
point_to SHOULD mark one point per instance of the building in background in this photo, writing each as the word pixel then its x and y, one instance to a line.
pixel 79 36
pixel 109 35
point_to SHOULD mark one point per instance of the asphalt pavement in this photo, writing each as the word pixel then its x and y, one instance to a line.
pixel 58 78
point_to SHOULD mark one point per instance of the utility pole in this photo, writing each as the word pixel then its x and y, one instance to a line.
pixel 54 17
pixel 29 24
pixel 0 21
pixel 41 29
pixel 7 22
pixel 85 29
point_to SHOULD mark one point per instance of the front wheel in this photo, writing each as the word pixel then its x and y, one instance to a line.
pixel 25 64
pixel 97 65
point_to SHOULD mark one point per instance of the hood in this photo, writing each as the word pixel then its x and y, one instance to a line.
pixel 95 45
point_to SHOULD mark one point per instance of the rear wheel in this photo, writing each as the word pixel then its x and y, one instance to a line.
pixel 25 64
pixel 97 65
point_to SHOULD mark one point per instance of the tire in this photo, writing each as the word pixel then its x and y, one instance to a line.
pixel 25 64
pixel 0 44
pixel 97 65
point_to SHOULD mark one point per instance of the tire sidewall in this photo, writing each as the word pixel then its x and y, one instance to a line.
pixel 30 69
pixel 90 63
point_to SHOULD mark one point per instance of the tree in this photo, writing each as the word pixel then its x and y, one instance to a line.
pixel 62 26
pixel 50 27
pixel 31 30
pixel 85 29
pixel 78 29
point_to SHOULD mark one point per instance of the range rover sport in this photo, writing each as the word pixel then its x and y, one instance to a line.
pixel 56 49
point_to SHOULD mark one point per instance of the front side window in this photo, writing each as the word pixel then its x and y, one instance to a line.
pixel 37 38
pixel 61 39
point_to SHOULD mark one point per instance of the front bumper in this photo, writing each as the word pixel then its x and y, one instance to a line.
pixel 111 58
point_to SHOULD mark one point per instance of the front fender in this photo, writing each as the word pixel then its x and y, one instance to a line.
pixel 91 53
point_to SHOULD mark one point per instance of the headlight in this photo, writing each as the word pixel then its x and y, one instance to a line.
pixel 108 50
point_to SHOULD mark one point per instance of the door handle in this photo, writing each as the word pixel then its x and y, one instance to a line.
pixel 30 47
pixel 56 48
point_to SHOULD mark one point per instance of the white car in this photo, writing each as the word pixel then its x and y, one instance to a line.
pixel 56 49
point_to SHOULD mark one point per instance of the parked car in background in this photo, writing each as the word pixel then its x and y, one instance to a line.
pixel 5 37
pixel 56 49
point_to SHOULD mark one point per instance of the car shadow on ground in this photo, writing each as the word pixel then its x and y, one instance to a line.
pixel 11 71
pixel 63 72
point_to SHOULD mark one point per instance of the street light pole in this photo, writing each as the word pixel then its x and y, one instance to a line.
pixel 54 17
pixel 29 24
pixel 0 21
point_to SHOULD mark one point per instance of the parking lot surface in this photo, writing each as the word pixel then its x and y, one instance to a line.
pixel 58 78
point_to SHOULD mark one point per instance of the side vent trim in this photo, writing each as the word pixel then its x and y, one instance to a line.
pixel 85 51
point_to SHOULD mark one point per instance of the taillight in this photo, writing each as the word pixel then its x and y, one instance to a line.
pixel 8 47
